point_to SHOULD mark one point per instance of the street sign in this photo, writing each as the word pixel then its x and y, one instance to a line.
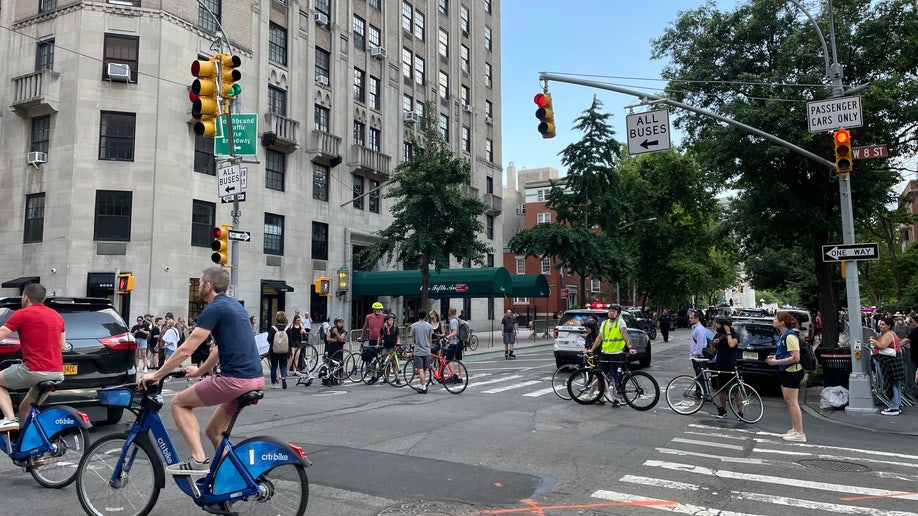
pixel 830 114
pixel 850 252
pixel 648 132
pixel 227 199
pixel 245 135
pixel 874 151
pixel 239 236
pixel 565 293
pixel 229 180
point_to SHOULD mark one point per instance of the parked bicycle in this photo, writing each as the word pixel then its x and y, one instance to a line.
pixel 472 343
pixel 306 359
pixel 452 374
pixel 332 370
pixel 686 394
pixel 50 440
pixel 636 388
pixel 387 367
pixel 122 475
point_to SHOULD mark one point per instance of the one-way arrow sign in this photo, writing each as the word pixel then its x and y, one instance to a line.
pixel 850 252
pixel 241 236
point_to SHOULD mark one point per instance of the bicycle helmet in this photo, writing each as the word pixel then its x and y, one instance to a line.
pixel 377 306
pixel 338 319
pixel 617 308
pixel 590 323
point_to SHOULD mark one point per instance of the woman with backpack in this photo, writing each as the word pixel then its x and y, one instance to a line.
pixel 889 360
pixel 787 358
pixel 278 349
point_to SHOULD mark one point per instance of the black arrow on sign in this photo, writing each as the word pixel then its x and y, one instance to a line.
pixel 229 189
pixel 647 144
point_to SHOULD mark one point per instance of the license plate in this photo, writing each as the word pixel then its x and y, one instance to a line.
pixel 70 369
pixel 750 355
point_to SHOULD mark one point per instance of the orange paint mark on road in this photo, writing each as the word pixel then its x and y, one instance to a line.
pixel 498 484
pixel 538 510
pixel 874 497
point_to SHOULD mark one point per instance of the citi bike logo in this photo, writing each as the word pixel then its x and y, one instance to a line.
pixel 64 421
pixel 275 456
pixel 165 449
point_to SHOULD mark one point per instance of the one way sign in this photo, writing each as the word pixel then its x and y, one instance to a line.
pixel 850 252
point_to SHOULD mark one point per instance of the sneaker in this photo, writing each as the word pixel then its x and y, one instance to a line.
pixel 189 467
pixel 283 383
pixel 9 424
pixel 794 437
pixel 421 391
pixel 616 403
pixel 721 413
pixel 891 412
pixel 145 370
pixel 372 380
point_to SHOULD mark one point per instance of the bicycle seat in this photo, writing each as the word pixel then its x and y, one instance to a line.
pixel 249 398
pixel 47 386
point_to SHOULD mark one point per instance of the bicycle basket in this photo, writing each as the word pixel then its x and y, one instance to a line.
pixel 115 397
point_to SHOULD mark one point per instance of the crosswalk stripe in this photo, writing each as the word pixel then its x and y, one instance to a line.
pixel 511 387
pixel 832 508
pixel 659 482
pixel 708 443
pixel 540 392
pixel 497 380
pixel 662 505
pixel 722 458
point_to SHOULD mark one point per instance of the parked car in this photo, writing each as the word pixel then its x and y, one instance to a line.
pixel 805 321
pixel 758 338
pixel 640 320
pixel 570 331
pixel 99 352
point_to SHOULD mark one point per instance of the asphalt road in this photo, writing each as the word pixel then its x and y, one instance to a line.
pixel 508 445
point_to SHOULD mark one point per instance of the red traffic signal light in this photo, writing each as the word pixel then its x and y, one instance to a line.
pixel 843 157
pixel 545 114
pixel 220 244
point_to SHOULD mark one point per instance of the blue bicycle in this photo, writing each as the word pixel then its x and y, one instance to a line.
pixel 49 442
pixel 122 475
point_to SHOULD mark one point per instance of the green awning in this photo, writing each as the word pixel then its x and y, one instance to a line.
pixel 530 285
pixel 481 282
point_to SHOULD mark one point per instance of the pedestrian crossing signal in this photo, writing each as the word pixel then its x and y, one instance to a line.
pixel 323 286
pixel 125 283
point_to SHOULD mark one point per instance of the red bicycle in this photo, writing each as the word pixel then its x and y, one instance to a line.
pixel 451 374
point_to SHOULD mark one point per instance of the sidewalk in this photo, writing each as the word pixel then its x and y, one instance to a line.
pixel 905 424
pixel 493 342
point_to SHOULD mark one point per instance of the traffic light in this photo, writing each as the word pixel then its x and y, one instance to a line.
pixel 125 283
pixel 220 244
pixel 843 163
pixel 545 114
pixel 343 280
pixel 741 286
pixel 323 286
pixel 203 96
pixel 229 90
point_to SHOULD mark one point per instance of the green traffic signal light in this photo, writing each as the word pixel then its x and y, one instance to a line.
pixel 229 75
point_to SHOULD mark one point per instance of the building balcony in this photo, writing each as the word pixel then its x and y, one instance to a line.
pixel 325 148
pixel 364 158
pixel 36 93
pixel 281 133
pixel 493 203
pixel 468 190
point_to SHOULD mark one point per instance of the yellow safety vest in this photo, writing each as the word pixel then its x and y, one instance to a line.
pixel 612 340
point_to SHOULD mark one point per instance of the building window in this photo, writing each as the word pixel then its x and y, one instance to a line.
pixel 406 63
pixel 34 228
pixel 374 92
pixel 444 6
pixel 373 196
pixel 489 149
pixel 419 25
pixel 464 95
pixel 464 60
pixel 407 103
pixel 360 130
pixel 277 44
pixel 595 285
pixel 274 234
pixel 489 185
pixel 44 55
pixel 324 7
pixel 488 81
pixel 521 265
pixel 323 64
pixel 360 85
pixel 407 12
pixel 466 138
pixel 120 50
pixel 360 33
pixel 320 175
pixel 319 241
pixel 321 116
pixel 546 266
pixel 113 216
pixel 375 139
pixel 487 6
pixel 464 19
pixel 489 107
pixel 543 218
pixel 205 20
pixel 419 70
pixel 204 155
pixel 374 4
pixel 407 151
pixel 444 85
pixel 443 43
pixel 203 219
pixel 116 136
pixel 41 134
pixel 487 38
pixel 274 170
pixel 490 263
pixel 489 226
pixel 358 192
pixel 277 101
pixel 45 6
pixel 373 37
pixel 444 127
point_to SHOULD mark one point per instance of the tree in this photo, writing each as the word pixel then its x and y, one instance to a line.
pixel 433 218
pixel 759 64
pixel 587 203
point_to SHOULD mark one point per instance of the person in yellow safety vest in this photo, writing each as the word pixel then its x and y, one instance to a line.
pixel 613 337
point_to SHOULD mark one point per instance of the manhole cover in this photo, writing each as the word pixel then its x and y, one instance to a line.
pixel 429 509
pixel 834 465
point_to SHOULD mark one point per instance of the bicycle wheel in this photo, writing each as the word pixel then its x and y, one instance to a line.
pixel 745 403
pixel 585 386
pixel 350 369
pixel 409 374
pixel 285 490
pixel 135 490
pixel 640 390
pixel 393 375
pixel 684 395
pixel 457 376
pixel 308 359
pixel 473 342
pixel 58 468
pixel 559 380
pixel 369 371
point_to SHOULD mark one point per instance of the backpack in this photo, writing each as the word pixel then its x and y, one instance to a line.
pixel 807 357
pixel 280 345
pixel 465 331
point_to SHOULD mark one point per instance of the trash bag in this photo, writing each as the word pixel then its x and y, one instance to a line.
pixel 833 397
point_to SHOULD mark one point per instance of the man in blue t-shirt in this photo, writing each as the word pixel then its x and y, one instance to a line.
pixel 240 369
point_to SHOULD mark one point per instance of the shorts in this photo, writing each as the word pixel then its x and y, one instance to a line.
pixel 141 343
pixel 421 363
pixel 18 377
pixel 223 390
pixel 333 348
pixel 167 352
pixel 609 362
pixel 790 379
pixel 509 337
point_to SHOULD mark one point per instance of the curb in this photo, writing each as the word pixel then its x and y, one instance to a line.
pixel 818 413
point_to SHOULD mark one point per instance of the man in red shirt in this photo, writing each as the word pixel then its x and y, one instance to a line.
pixel 41 338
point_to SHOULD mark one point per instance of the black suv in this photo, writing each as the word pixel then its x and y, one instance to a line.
pixel 99 351
pixel 758 338
pixel 640 319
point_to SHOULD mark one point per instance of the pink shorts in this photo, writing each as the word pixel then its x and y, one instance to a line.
pixel 223 390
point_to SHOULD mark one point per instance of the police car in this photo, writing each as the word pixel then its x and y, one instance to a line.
pixel 570 331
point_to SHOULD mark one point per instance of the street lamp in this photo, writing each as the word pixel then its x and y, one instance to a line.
pixel 623 225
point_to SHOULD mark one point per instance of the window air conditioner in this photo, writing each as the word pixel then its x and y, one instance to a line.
pixel 467 108
pixel 118 72
pixel 322 19
pixel 35 158
pixel 323 80
pixel 410 117
pixel 489 120
pixel 378 52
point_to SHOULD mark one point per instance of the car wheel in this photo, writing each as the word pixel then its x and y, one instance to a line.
pixel 113 417
pixel 652 333
pixel 645 359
